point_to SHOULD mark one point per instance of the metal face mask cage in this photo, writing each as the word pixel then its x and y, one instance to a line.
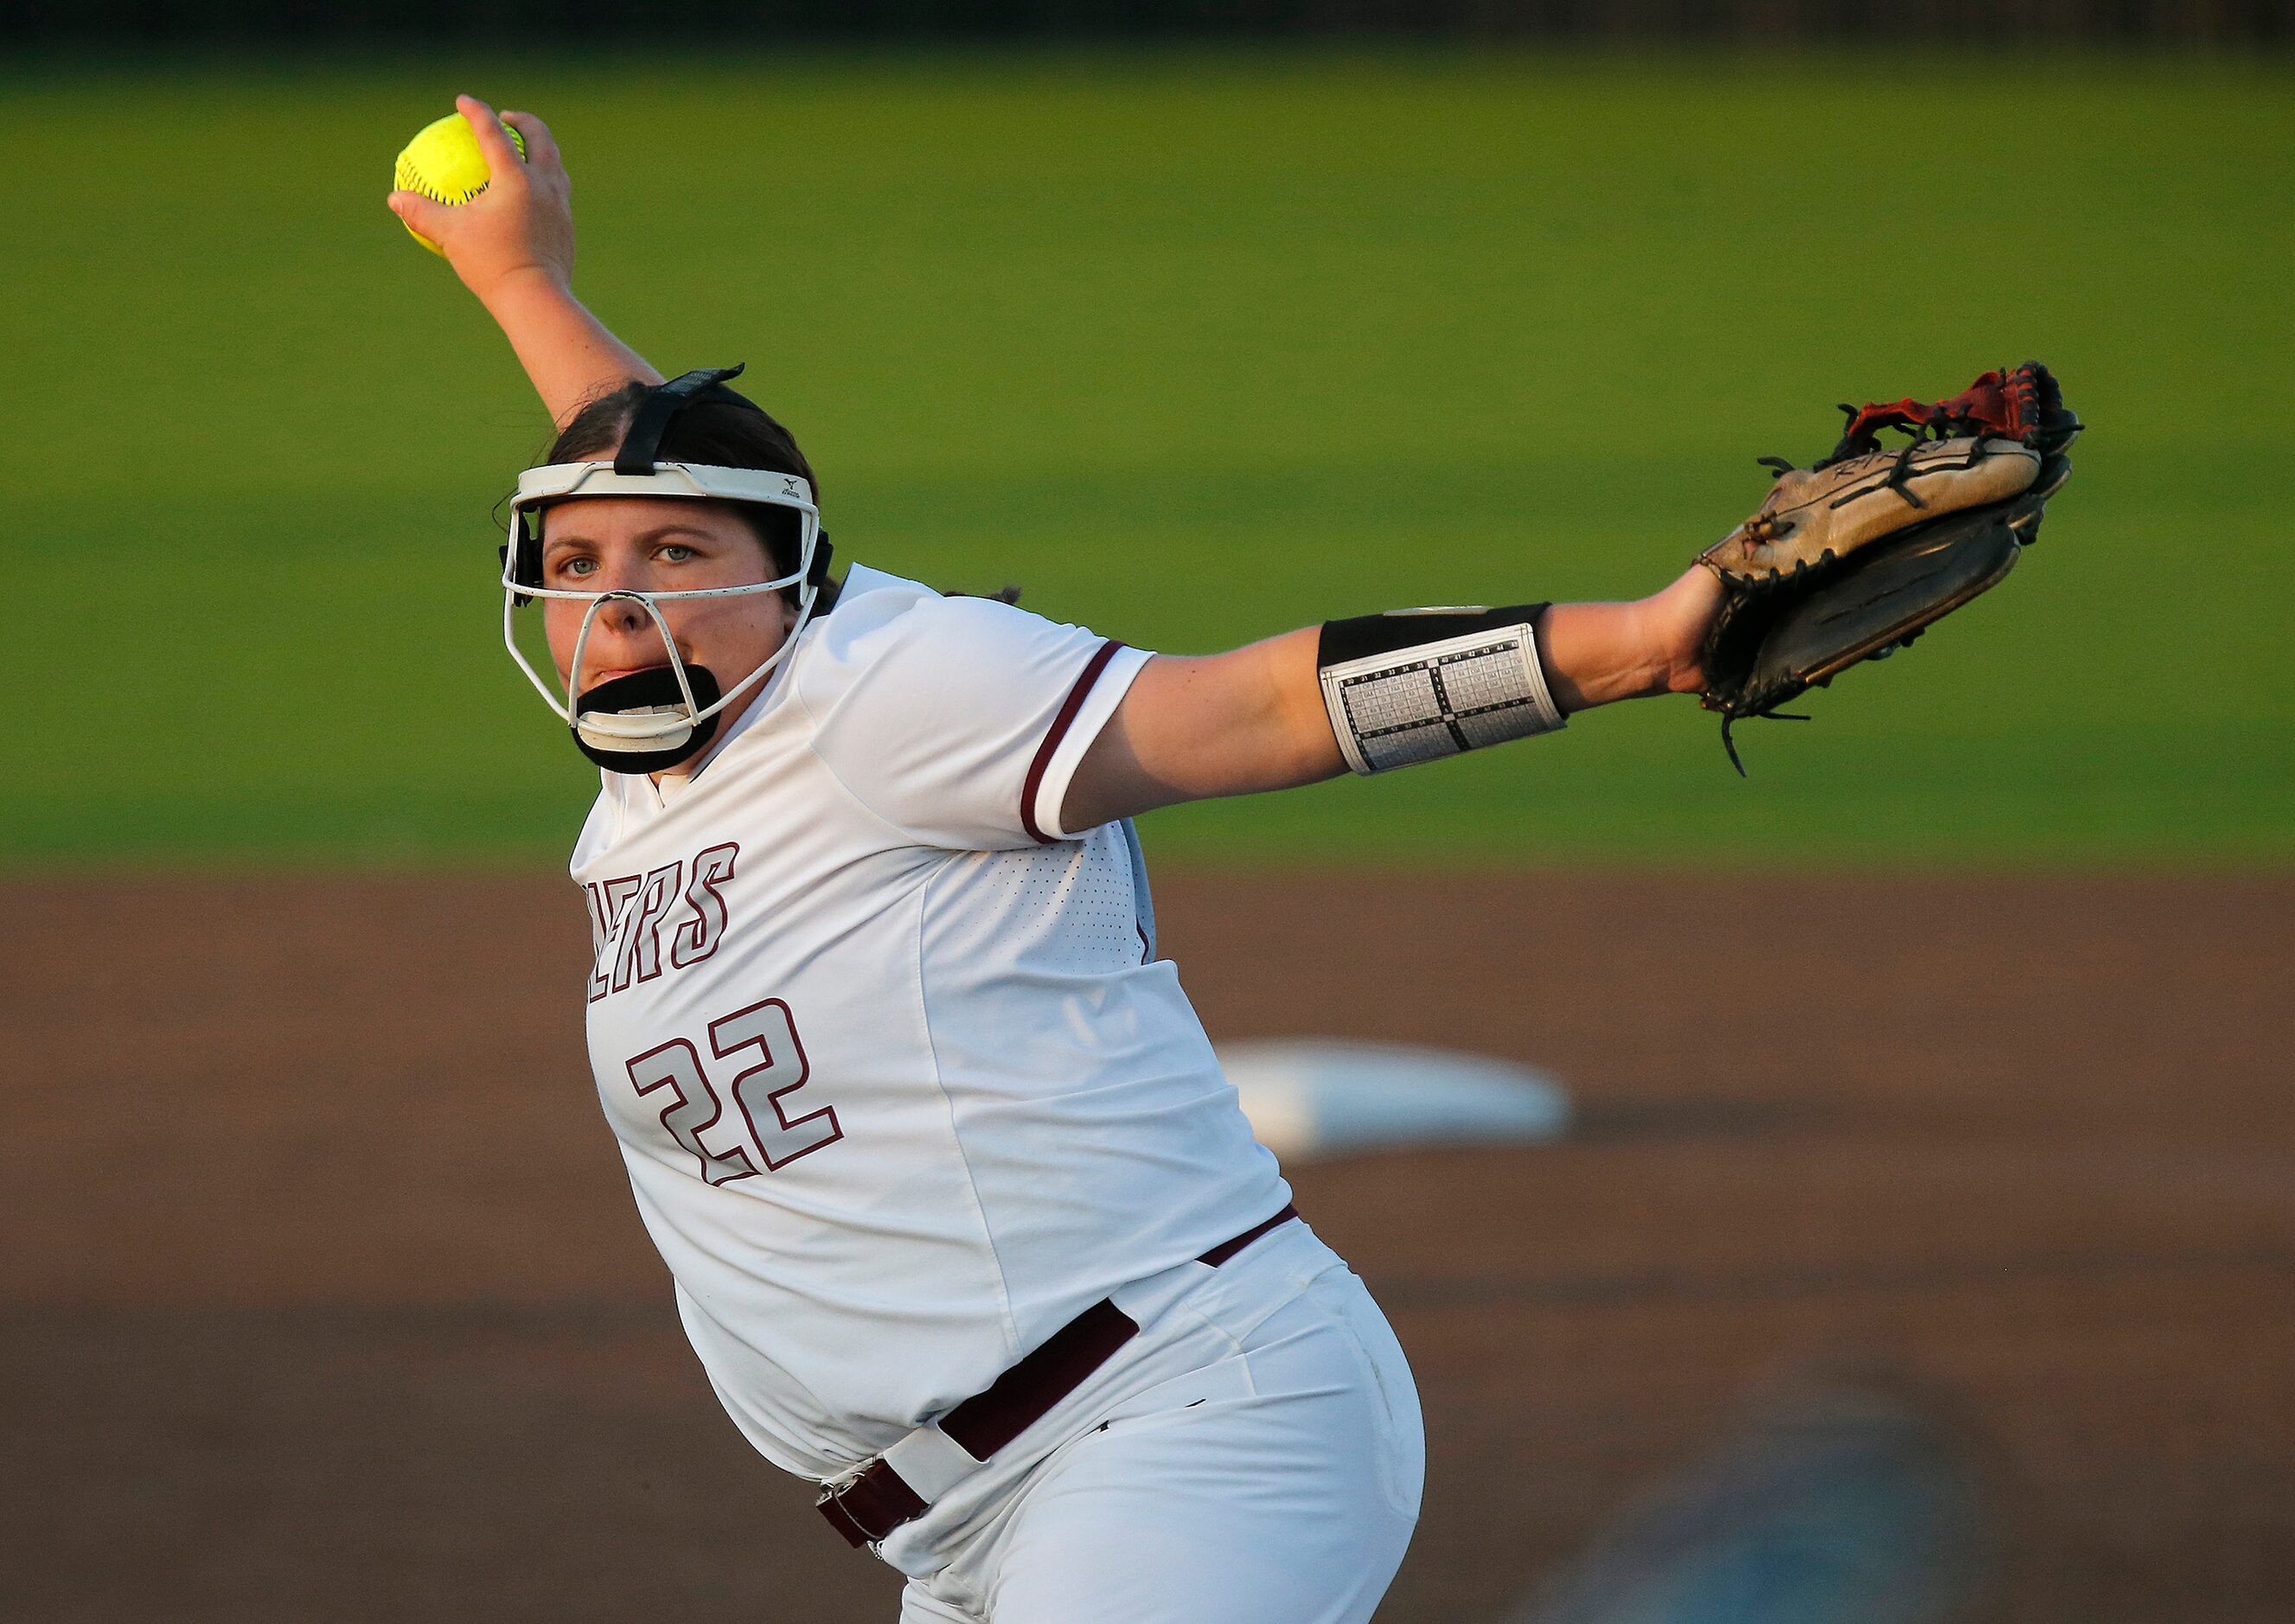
pixel 649 737
pixel 654 729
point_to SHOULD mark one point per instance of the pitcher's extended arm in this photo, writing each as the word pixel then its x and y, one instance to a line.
pixel 512 245
pixel 1264 717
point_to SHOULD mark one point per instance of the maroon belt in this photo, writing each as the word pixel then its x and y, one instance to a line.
pixel 872 1504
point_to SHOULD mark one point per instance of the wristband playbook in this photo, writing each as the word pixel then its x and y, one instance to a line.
pixel 1416 685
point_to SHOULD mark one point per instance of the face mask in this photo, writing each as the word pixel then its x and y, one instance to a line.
pixel 652 720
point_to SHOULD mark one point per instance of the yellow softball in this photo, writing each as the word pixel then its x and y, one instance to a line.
pixel 443 162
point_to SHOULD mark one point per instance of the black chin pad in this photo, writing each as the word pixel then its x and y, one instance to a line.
pixel 647 690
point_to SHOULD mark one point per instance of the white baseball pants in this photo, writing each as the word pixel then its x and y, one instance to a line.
pixel 1273 1478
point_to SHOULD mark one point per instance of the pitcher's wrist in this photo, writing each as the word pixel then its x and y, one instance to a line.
pixel 1686 610
pixel 523 285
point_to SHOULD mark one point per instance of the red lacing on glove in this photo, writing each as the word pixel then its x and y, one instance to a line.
pixel 2004 405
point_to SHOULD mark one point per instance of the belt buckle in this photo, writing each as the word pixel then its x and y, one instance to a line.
pixel 831 1504
pixel 868 1506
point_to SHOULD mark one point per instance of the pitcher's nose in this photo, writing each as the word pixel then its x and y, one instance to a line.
pixel 625 614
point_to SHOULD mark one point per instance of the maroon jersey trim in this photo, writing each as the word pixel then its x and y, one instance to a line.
pixel 1059 730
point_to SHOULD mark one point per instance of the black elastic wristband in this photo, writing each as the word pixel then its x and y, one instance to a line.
pixel 1366 634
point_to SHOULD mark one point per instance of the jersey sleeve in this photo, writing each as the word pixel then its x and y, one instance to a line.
pixel 961 721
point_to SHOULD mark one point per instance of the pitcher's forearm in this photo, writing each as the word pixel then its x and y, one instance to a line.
pixel 567 353
pixel 512 245
pixel 1598 653
pixel 1255 720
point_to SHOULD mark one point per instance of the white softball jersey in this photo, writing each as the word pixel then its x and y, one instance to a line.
pixel 899 1080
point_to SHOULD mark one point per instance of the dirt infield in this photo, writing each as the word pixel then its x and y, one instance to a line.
pixel 324 1297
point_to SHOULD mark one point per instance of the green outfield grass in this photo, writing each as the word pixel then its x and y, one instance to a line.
pixel 1194 348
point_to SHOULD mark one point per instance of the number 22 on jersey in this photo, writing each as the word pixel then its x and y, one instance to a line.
pixel 771 1130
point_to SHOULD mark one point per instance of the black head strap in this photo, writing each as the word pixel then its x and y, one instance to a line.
pixel 658 410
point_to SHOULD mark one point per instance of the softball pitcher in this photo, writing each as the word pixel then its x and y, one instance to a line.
pixel 965 1224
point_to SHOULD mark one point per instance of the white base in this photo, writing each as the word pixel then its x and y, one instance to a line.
pixel 1324 1096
